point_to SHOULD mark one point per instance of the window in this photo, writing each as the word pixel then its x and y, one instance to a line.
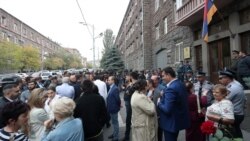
pixel 15 27
pixel 32 36
pixel 24 32
pixel 15 40
pixel 157 32
pixel 156 5
pixel 38 40
pixel 2 35
pixel 141 40
pixel 178 52
pixel 165 25
pixel 244 16
pixel 178 4
pixel 135 2
pixel 141 15
pixel 3 21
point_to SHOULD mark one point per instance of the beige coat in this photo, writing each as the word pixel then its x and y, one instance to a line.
pixel 144 119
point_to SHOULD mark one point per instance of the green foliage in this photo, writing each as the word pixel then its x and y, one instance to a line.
pixel 30 58
pixel 13 57
pixel 108 39
pixel 111 58
pixel 62 59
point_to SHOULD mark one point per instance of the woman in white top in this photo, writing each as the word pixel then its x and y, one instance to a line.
pixel 52 97
pixel 221 111
pixel 37 114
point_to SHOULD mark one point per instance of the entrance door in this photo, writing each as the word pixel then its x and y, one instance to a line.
pixel 161 59
pixel 198 58
pixel 219 57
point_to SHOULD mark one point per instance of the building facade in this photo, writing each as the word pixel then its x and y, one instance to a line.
pixel 160 33
pixel 229 30
pixel 148 37
pixel 14 30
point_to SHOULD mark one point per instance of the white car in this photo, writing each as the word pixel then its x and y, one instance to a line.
pixel 22 75
pixel 45 75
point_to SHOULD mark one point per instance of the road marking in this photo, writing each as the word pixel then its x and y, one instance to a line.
pixel 121 123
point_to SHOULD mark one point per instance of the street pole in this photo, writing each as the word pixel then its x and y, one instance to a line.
pixel 93 46
pixel 42 58
pixel 93 36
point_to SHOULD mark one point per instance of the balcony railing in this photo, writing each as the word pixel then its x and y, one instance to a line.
pixel 188 9
pixel 192 11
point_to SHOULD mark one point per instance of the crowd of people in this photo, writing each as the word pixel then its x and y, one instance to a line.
pixel 159 103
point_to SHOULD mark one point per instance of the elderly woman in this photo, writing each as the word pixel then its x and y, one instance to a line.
pixel 37 114
pixel 15 115
pixel 144 119
pixel 221 111
pixel 64 127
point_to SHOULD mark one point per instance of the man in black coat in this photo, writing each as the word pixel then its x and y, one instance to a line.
pixel 11 92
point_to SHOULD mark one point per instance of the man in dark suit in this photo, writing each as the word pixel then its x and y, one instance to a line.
pixel 11 92
pixel 173 106
pixel 113 107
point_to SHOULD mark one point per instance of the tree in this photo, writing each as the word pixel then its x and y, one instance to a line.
pixel 62 60
pixel 108 40
pixel 30 58
pixel 9 56
pixel 114 61
pixel 111 59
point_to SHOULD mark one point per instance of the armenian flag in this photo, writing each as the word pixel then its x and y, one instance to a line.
pixel 209 11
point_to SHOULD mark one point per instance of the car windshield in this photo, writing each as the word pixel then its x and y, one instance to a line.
pixel 46 74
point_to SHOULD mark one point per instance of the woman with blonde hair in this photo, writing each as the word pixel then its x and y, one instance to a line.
pixel 222 110
pixel 60 128
pixel 37 114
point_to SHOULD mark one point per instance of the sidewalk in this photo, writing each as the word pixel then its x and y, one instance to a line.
pixel 246 135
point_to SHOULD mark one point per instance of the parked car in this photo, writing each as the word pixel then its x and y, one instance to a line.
pixel 45 75
pixel 22 75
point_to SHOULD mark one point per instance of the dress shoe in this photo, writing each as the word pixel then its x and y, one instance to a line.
pixel 111 137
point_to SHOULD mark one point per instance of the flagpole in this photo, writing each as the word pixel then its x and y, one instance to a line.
pixel 224 21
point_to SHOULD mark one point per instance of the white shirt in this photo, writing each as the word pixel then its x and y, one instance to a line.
pixel 223 108
pixel 102 88
pixel 48 107
pixel 66 90
pixel 171 81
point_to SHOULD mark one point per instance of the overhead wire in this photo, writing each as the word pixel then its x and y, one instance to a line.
pixel 85 22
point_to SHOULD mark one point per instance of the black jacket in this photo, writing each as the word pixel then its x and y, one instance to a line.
pixel 92 110
pixel 243 66
pixel 3 102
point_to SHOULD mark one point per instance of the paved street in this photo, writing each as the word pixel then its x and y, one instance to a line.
pixel 122 117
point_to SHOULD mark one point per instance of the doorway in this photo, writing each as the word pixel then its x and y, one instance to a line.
pixel 219 57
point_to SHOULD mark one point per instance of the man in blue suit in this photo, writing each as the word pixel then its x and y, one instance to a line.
pixel 113 107
pixel 173 106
